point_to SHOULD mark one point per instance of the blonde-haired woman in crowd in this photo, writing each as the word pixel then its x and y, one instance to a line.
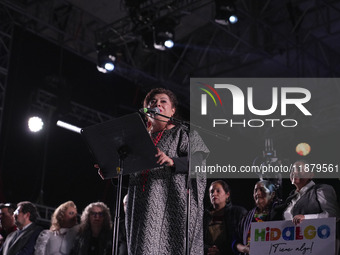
pixel 60 237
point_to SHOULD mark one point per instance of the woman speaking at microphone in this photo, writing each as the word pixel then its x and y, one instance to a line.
pixel 156 209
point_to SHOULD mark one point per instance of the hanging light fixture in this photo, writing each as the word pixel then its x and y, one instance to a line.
pixel 164 34
pixel 225 12
pixel 106 57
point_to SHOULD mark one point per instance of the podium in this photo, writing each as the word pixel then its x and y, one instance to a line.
pixel 120 146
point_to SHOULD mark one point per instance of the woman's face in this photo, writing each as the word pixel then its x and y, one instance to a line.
pixel 163 103
pixel 262 195
pixel 96 216
pixel 218 197
pixel 70 218
pixel 299 177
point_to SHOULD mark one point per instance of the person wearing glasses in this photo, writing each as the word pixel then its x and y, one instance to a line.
pixel 22 240
pixel 95 234
pixel 7 220
pixel 60 237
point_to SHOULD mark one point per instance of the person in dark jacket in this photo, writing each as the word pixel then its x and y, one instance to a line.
pixel 221 221
pixel 22 241
pixel 7 222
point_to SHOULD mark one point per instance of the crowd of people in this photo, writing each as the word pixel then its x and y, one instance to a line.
pixel 21 235
pixel 156 204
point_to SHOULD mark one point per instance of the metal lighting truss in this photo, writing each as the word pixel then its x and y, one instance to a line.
pixel 6 30
pixel 273 38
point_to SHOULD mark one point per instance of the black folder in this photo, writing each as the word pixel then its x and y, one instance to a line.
pixel 126 135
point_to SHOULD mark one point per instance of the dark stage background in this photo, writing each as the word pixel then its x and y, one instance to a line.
pixel 69 172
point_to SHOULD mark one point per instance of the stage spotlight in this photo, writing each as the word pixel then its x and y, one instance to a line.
pixel 164 34
pixel 169 44
pixel 106 58
pixel 233 19
pixel 106 63
pixel 164 40
pixel 68 126
pixel 35 124
pixel 225 12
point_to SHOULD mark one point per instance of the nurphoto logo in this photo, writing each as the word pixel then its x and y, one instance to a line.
pixel 295 96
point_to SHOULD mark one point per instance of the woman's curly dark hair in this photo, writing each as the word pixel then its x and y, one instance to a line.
pixel 85 217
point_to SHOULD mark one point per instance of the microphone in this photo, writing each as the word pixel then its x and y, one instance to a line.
pixel 149 110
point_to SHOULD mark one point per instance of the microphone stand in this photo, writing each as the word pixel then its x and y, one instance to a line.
pixel 187 126
pixel 122 155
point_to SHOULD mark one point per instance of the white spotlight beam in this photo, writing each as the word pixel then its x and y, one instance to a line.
pixel 68 126
pixel 35 124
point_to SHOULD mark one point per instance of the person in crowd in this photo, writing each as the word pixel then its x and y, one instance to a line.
pixel 95 231
pixel 310 200
pixel 221 221
pixel 22 240
pixel 7 220
pixel 156 207
pixel 265 201
pixel 61 235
